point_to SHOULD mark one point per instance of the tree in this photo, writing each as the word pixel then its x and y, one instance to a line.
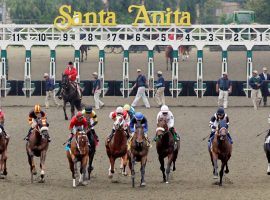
pixel 208 11
pixel 261 9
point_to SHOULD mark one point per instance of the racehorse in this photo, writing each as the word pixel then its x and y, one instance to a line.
pixel 221 149
pixel 78 152
pixel 117 147
pixel 185 51
pixel 3 153
pixel 169 56
pixel 71 95
pixel 166 148
pixel 92 150
pixel 38 145
pixel 138 152
pixel 83 50
pixel 267 150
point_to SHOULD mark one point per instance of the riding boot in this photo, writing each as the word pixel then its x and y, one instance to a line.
pixel 110 136
pixel 7 136
pixel 176 137
pixel 69 140
pixel 28 134
pixel 230 138
pixel 95 135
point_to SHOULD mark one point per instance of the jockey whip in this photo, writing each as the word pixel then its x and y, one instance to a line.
pixel 205 137
pixel 262 133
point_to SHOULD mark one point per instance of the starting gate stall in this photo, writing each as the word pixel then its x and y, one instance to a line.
pixel 5 86
pixel 125 86
pixel 28 86
pixel 175 86
pixel 101 70
pixel 249 70
pixel 128 35
pixel 151 79
pixel 77 55
pixel 224 62
pixel 53 70
pixel 200 86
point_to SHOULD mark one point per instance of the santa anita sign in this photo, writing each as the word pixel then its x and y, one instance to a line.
pixel 69 18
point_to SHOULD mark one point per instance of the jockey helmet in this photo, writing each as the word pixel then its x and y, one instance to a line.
pixel 79 115
pixel 119 110
pixel 126 107
pixel 220 111
pixel 88 109
pixel 70 63
pixel 139 116
pixel 37 108
pixel 164 108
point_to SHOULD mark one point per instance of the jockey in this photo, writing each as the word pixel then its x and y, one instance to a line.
pixel 119 111
pixel 167 114
pixel 130 110
pixel 214 121
pixel 139 118
pixel 2 122
pixel 2 117
pixel 72 73
pixel 35 114
pixel 78 122
pixel 91 119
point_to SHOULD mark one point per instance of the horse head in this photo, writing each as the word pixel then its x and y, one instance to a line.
pixel 43 127
pixel 222 130
pixel 119 122
pixel 82 142
pixel 139 133
pixel 65 81
pixel 162 127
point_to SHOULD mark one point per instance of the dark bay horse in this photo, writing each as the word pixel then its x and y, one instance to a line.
pixel 38 145
pixel 83 50
pixel 166 148
pixel 78 152
pixel 117 147
pixel 138 153
pixel 221 149
pixel 71 95
pixel 3 154
pixel 267 150
pixel 92 151
pixel 169 56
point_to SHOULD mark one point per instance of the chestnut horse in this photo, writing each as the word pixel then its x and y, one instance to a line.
pixel 117 147
pixel 78 152
pixel 138 153
pixel 267 150
pixel 166 147
pixel 3 154
pixel 221 149
pixel 37 146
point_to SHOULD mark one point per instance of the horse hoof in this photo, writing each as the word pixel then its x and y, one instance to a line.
pixel 66 118
pixel 41 181
pixel 268 173
pixel 220 184
pixel 5 173
pixel 227 171
pixel 110 176
pixel 143 184
pixel 215 177
pixel 167 182
pixel 34 172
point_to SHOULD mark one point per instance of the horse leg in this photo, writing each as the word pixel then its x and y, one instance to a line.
pixel 168 170
pixel 268 158
pixel 91 158
pixel 124 165
pixel 132 164
pixel 32 166
pixel 65 112
pixel 162 168
pixel 111 169
pixel 221 172
pixel 215 172
pixel 175 155
pixel 83 171
pixel 72 109
pixel 227 168
pixel 143 164
pixel 86 53
pixel 42 166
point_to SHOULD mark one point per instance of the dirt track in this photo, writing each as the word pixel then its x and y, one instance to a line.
pixel 193 178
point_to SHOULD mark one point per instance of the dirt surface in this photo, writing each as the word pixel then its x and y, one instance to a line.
pixel 193 177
